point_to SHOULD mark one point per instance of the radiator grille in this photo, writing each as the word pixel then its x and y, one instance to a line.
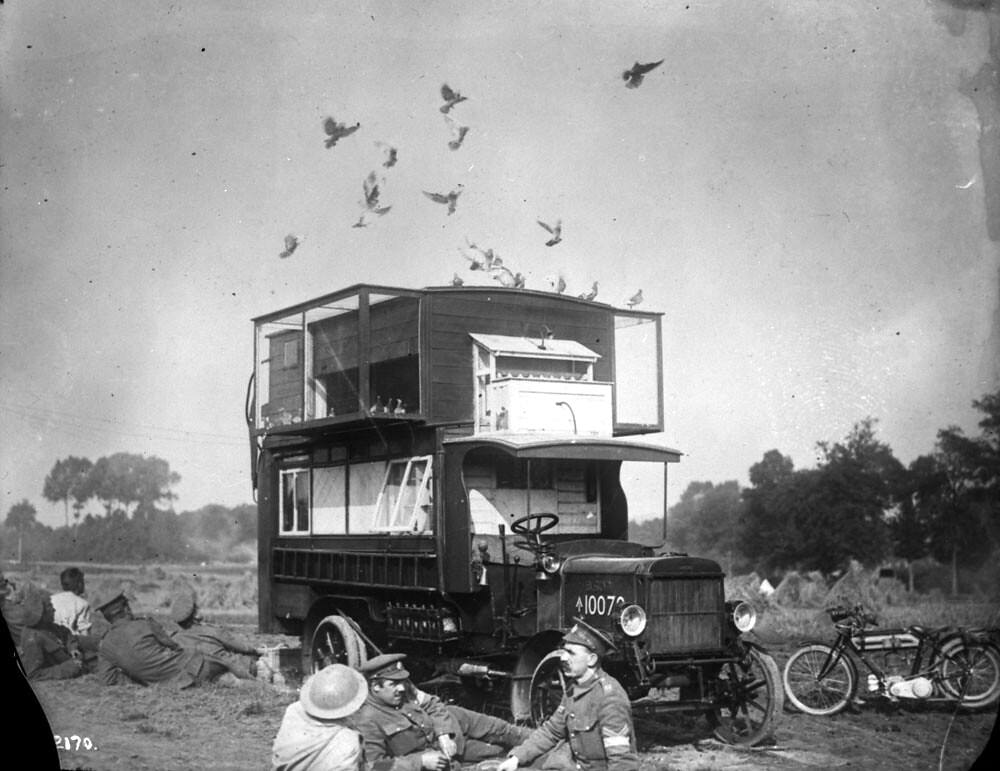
pixel 684 615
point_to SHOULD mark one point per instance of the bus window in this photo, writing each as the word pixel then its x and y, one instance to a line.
pixel 404 502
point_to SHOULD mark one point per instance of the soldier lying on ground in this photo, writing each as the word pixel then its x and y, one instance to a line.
pixel 405 729
pixel 239 655
pixel 139 650
pixel 314 735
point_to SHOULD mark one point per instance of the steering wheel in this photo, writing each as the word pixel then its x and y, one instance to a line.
pixel 523 525
pixel 534 525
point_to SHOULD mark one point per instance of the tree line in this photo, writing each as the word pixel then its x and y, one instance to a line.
pixel 860 503
pixel 129 525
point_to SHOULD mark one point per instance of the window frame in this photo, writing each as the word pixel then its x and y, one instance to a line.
pixel 394 525
pixel 294 473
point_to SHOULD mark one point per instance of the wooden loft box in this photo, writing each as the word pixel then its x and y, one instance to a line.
pixel 447 355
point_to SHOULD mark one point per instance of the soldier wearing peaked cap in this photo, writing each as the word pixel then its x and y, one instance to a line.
pixel 139 650
pixel 593 723
pixel 405 729
pixel 191 632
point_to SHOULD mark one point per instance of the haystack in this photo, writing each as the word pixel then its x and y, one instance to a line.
pixel 743 587
pixel 860 586
pixel 798 590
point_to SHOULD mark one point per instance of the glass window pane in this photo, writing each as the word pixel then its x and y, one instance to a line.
pixel 365 482
pixel 329 509
pixel 637 381
pixel 287 503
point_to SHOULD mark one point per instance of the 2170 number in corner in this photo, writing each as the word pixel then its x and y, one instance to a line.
pixel 74 742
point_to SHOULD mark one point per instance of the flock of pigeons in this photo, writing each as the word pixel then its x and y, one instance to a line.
pixel 479 258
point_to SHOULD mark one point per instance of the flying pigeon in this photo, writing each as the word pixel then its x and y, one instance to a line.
pixel 451 198
pixel 555 230
pixel 633 77
pixel 336 131
pixel 558 284
pixel 451 98
pixel 390 154
pixel 635 299
pixel 474 262
pixel 490 260
pixel 291 244
pixel 457 280
pixel 458 132
pixel 591 294
pixel 371 195
pixel 505 276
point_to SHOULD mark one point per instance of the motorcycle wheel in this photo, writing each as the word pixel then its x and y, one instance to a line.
pixel 969 673
pixel 748 699
pixel 810 694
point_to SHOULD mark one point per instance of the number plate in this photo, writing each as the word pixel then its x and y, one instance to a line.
pixel 599 604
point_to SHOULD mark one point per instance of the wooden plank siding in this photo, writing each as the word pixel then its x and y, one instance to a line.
pixel 285 387
pixel 449 319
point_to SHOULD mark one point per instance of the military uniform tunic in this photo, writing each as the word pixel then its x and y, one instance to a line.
pixel 395 737
pixel 139 650
pixel 595 719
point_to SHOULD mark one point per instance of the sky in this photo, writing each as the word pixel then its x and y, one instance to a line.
pixel 797 188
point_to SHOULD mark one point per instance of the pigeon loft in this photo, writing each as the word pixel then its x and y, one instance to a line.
pixel 457 355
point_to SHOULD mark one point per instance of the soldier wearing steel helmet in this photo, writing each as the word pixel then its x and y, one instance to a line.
pixel 593 723
pixel 405 729
pixel 314 733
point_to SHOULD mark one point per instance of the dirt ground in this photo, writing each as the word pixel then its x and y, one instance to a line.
pixel 217 728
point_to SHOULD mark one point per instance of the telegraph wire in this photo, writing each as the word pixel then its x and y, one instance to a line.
pixel 82 426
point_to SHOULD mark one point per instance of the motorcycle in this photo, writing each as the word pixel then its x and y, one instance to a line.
pixel 916 663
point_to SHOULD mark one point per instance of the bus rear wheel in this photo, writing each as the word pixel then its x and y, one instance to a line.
pixel 336 642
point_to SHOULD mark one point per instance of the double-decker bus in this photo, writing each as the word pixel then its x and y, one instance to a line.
pixel 437 472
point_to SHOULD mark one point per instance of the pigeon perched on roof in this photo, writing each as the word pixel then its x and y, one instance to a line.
pixel 555 230
pixel 519 280
pixel 291 244
pixel 457 280
pixel 458 132
pixel 390 154
pixel 337 131
pixel 558 284
pixel 635 299
pixel 450 198
pixel 451 97
pixel 591 294
pixel 633 77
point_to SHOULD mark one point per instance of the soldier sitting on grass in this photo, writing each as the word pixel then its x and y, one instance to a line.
pixel 48 651
pixel 592 729
pixel 239 655
pixel 405 729
pixel 314 735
